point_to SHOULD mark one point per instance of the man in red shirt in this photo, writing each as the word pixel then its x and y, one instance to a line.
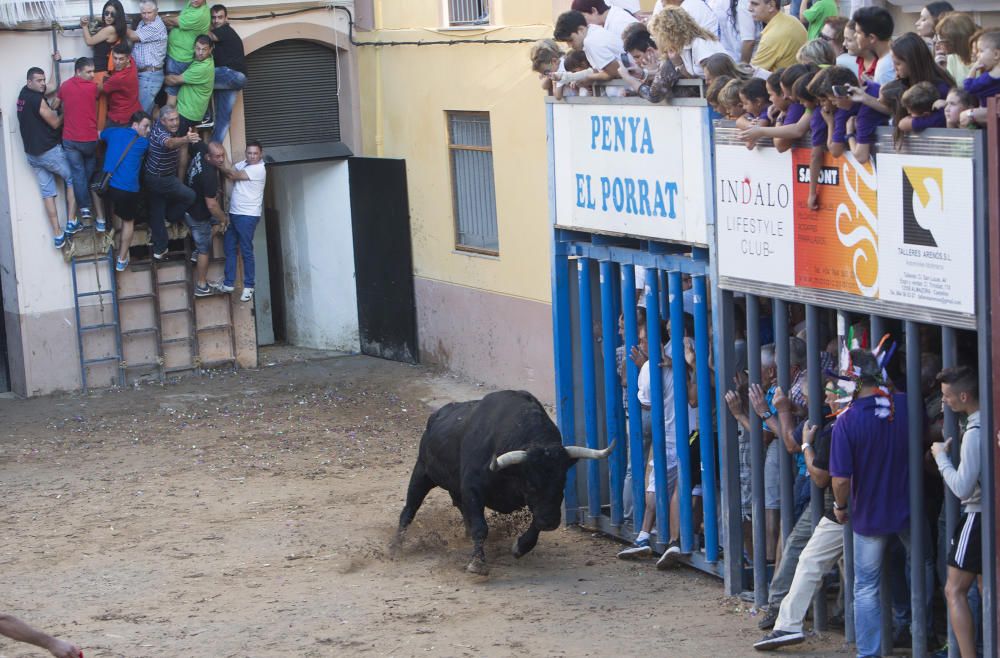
pixel 122 88
pixel 79 101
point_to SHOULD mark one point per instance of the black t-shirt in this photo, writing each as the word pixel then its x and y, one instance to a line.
pixel 38 136
pixel 229 49
pixel 821 457
pixel 203 178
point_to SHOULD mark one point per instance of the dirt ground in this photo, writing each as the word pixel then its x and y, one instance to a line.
pixel 249 514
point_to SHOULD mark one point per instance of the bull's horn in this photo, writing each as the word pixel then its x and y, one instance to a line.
pixel 508 459
pixel 578 452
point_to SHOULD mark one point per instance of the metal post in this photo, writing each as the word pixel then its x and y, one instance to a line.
pixel 701 348
pixel 815 384
pixel 562 333
pixel 621 453
pixel 589 387
pixel 915 414
pixel 683 429
pixel 635 447
pixel 656 402
pixel 756 458
pixel 876 327
pixel 842 322
pixel 612 390
pixel 729 460
pixel 949 358
pixel 780 310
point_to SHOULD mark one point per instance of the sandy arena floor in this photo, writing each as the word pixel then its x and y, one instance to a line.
pixel 250 514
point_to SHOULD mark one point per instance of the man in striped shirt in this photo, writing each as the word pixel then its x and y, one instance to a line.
pixel 168 196
pixel 149 52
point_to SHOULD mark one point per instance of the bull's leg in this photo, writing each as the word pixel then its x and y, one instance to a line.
pixel 526 541
pixel 420 485
pixel 473 510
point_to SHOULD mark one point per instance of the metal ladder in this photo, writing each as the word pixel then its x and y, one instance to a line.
pixel 114 324
pixel 227 327
pixel 188 309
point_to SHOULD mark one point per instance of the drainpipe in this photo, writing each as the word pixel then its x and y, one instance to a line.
pixel 379 148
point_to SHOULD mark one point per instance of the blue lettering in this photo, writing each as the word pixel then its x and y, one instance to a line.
pixel 579 191
pixel 620 123
pixel 605 192
pixel 595 130
pixel 606 133
pixel 590 197
pixel 630 206
pixel 633 124
pixel 671 189
pixel 644 208
pixel 647 138
pixel 618 195
pixel 658 208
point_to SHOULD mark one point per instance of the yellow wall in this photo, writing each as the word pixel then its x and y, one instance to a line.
pixel 405 91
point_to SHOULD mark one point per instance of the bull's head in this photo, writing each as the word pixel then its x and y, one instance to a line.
pixel 543 472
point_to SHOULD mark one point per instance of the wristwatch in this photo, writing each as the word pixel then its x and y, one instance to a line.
pixel 806 445
pixel 766 415
pixel 838 507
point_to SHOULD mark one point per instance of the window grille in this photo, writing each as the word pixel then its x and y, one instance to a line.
pixel 473 190
pixel 468 12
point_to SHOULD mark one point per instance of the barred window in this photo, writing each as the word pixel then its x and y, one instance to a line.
pixel 473 190
pixel 468 12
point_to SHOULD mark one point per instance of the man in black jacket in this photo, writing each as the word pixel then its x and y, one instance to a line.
pixel 230 70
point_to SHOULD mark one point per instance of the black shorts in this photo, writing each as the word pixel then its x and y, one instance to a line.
pixel 694 455
pixel 186 124
pixel 966 552
pixel 126 204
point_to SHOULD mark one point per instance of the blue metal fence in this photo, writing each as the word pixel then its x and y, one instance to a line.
pixel 590 396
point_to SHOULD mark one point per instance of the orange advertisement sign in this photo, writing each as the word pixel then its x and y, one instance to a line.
pixel 836 246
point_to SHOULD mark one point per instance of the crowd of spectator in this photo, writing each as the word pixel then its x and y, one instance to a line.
pixel 828 77
pixel 137 135
pixel 790 73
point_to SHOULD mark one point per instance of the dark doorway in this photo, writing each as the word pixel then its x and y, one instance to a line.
pixel 383 259
pixel 4 372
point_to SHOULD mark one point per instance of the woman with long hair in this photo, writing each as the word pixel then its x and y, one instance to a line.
pixel 737 30
pixel 929 16
pixel 683 41
pixel 953 41
pixel 113 30
pixel 914 64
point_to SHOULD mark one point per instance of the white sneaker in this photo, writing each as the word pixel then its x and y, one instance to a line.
pixel 220 286
pixel 247 295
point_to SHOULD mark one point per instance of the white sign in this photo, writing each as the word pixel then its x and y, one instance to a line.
pixel 926 231
pixel 632 169
pixel 755 218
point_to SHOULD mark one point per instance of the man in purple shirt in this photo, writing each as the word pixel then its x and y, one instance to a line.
pixel 870 468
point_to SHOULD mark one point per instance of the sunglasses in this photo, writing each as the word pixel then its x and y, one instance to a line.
pixel 111 12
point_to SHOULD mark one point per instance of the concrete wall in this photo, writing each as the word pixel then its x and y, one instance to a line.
pixel 321 306
pixel 406 92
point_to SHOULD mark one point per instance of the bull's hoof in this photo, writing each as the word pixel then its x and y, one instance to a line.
pixel 478 566
pixel 515 550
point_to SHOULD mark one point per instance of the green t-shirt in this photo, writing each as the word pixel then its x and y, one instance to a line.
pixel 191 22
pixel 817 13
pixel 194 94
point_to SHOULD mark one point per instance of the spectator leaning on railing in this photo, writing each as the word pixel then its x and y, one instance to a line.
pixel 194 20
pixel 79 96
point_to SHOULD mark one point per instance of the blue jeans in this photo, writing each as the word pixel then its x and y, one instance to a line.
pixel 239 237
pixel 173 67
pixel 796 6
pixel 869 557
pixel 82 158
pixel 150 83
pixel 227 84
pixel 45 165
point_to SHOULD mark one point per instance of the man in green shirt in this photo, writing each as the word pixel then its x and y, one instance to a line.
pixel 195 86
pixel 195 19
pixel 814 12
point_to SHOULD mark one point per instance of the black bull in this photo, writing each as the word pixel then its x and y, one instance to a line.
pixel 501 452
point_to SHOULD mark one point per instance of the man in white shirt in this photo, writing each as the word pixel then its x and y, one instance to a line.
pixel 245 203
pixel 631 6
pixel 873 30
pixel 613 19
pixel 603 49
